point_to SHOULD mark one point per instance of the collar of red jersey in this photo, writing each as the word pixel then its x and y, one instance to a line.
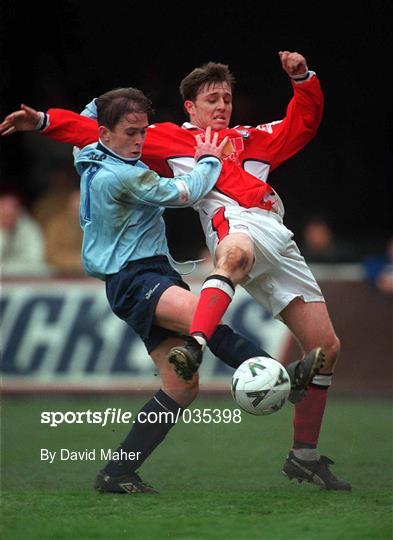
pixel 188 125
pixel 239 129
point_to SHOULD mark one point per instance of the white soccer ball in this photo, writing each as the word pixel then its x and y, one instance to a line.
pixel 260 385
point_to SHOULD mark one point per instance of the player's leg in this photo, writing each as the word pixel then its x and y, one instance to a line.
pixel 311 324
pixel 235 256
pixel 287 288
pixel 150 426
pixel 134 294
pixel 235 237
pixel 175 310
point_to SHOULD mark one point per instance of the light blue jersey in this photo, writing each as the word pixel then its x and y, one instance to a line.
pixel 90 110
pixel 122 202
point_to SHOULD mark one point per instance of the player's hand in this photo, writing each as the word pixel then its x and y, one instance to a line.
pixel 293 63
pixel 209 145
pixel 26 119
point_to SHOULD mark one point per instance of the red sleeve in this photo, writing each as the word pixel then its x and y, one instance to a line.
pixel 69 127
pixel 277 141
pixel 163 142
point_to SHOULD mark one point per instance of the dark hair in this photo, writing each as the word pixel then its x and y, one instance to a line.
pixel 207 74
pixel 113 105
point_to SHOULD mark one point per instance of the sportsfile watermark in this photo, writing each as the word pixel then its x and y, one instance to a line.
pixel 118 416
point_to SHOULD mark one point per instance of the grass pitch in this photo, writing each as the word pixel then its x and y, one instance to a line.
pixel 216 481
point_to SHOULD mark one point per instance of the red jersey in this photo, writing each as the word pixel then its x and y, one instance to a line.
pixel 254 151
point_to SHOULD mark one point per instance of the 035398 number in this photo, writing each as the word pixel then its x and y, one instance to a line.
pixel 215 416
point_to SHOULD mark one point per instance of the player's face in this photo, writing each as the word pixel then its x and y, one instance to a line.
pixel 212 107
pixel 128 136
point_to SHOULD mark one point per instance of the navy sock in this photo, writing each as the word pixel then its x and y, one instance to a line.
pixel 145 436
pixel 232 348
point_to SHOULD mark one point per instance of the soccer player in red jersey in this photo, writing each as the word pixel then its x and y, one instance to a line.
pixel 242 218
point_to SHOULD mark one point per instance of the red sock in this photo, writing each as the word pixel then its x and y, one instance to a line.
pixel 216 295
pixel 308 417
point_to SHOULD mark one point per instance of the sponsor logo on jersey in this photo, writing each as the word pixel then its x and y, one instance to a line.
pixel 233 148
pixel 244 133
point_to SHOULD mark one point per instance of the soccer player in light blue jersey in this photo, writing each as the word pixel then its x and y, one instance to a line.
pixel 124 244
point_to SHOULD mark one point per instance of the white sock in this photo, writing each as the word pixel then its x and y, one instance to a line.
pixel 306 454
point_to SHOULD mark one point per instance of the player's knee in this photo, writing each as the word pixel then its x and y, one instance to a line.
pixel 236 261
pixel 332 350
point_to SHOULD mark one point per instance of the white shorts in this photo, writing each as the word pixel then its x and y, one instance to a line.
pixel 280 272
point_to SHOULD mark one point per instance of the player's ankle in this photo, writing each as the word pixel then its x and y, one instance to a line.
pixel 200 338
pixel 306 454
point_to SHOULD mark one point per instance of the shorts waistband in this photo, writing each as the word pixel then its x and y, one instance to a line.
pixel 155 258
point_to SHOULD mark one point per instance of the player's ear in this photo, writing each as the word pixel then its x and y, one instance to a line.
pixel 189 107
pixel 104 134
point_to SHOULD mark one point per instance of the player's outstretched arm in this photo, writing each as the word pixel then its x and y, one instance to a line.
pixel 26 119
pixel 293 63
pixel 278 141
pixel 182 190
pixel 58 124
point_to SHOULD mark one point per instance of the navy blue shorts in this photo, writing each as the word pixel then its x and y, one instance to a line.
pixel 133 294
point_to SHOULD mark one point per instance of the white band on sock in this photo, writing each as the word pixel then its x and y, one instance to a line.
pixel 306 454
pixel 201 340
pixel 322 380
pixel 219 284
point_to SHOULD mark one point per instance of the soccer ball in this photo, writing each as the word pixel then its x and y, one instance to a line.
pixel 261 385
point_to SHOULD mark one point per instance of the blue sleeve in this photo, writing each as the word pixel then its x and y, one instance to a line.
pixel 149 188
pixel 90 110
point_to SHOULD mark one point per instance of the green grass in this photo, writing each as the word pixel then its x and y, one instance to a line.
pixel 220 481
